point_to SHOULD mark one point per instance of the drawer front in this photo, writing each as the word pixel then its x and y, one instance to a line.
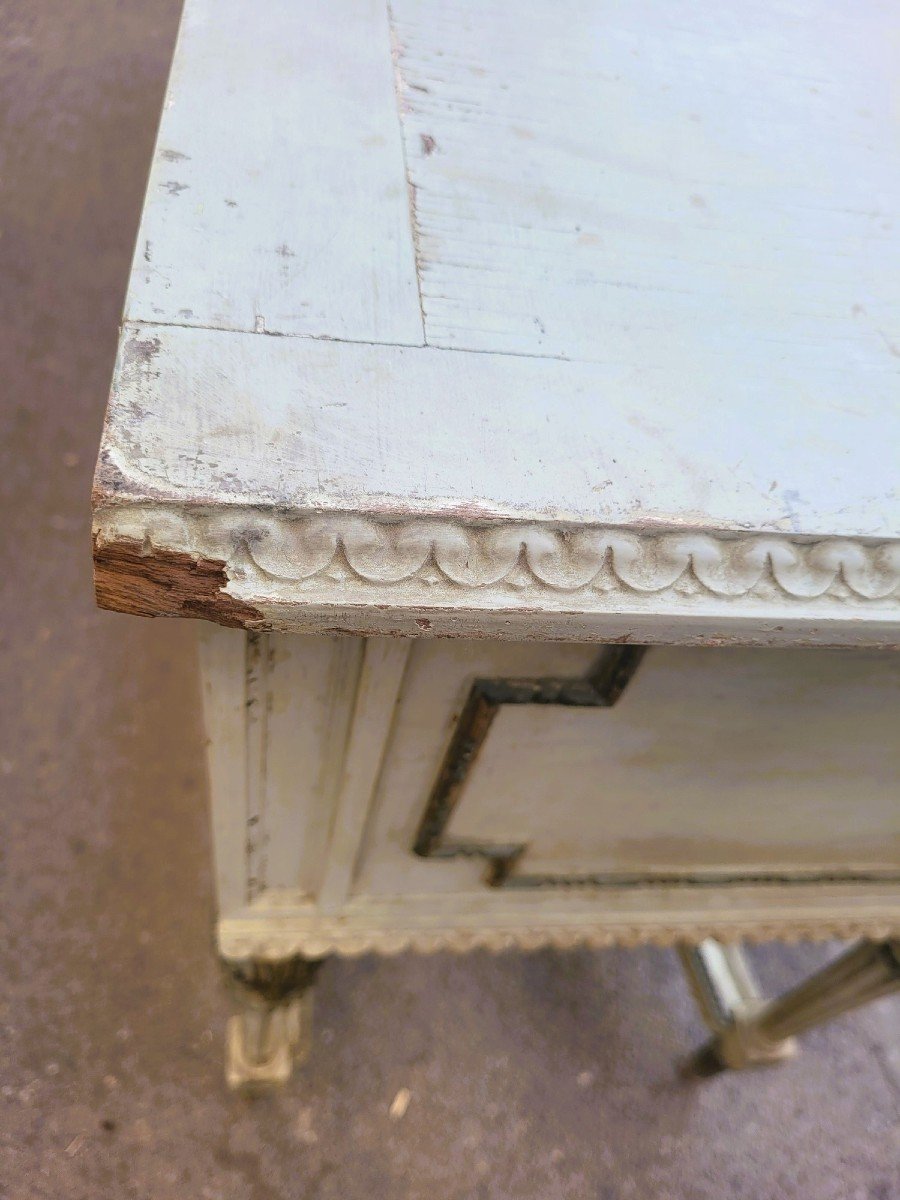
pixel 516 766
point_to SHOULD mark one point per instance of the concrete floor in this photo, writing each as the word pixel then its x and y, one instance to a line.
pixel 531 1076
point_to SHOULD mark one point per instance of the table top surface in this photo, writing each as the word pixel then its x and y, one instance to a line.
pixel 548 324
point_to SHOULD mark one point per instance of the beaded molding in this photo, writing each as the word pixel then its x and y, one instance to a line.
pixel 314 944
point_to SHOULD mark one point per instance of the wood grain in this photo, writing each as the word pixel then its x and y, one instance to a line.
pixel 698 210
pixel 277 200
pixel 633 181
pixel 156 582
pixel 231 420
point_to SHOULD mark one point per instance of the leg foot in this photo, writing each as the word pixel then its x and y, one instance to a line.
pixel 749 1031
pixel 272 1033
pixel 730 1003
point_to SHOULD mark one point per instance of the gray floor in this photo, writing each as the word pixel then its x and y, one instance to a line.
pixel 538 1075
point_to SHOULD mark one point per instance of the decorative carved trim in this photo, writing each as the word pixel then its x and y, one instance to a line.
pixel 460 940
pixel 430 559
pixel 611 675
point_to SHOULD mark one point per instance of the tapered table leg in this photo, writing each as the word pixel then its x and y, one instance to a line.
pixel 750 1031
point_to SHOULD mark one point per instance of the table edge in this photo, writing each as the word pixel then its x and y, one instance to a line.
pixel 261 568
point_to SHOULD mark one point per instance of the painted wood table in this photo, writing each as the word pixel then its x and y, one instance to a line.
pixel 513 393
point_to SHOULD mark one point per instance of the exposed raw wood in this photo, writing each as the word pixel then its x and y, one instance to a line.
pixel 698 211
pixel 531 330
pixel 154 581
pixel 326 493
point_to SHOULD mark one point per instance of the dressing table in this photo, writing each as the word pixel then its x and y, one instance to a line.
pixel 512 395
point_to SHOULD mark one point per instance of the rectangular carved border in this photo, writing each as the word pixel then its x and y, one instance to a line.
pixel 600 689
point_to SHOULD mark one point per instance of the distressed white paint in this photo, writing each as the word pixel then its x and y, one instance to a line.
pixel 680 778
pixel 438 679
pixel 350 446
pixel 231 420
pixel 383 665
pixel 713 762
pixel 223 670
pixel 436 209
pixel 277 199
pixel 309 705
pixel 710 187
pixel 628 916
pixel 696 208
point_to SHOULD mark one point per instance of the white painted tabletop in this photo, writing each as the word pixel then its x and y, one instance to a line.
pixel 568 319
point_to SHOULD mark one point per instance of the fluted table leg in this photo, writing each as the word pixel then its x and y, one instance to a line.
pixel 750 1031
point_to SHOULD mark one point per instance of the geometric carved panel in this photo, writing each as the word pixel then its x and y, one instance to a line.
pixel 600 689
